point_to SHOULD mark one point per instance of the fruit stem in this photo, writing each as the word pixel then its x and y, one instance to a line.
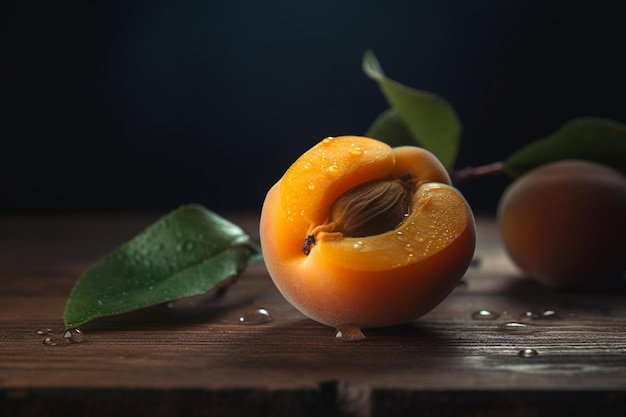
pixel 470 173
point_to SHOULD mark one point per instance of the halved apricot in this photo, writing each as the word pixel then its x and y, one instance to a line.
pixel 377 280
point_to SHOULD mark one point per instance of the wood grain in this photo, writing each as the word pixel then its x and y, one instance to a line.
pixel 194 357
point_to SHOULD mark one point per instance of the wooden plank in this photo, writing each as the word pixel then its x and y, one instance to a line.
pixel 196 354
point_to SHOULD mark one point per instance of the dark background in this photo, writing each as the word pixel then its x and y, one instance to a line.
pixel 131 105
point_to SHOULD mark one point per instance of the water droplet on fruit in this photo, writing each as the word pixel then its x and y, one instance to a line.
pixel 516 328
pixel 528 353
pixel 400 236
pixel 485 315
pixel 73 336
pixel 408 248
pixel 358 245
pixel 349 333
pixel 311 186
pixel 356 151
pixel 255 316
pixel 333 168
pixel 327 140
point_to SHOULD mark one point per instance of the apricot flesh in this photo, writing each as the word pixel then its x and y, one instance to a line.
pixel 371 281
pixel 564 223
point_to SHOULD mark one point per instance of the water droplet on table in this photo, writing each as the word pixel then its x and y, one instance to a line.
pixel 485 315
pixel 515 327
pixel 550 314
pixel 528 316
pixel 349 333
pixel 48 341
pixel 528 353
pixel 42 332
pixel 73 336
pixel 546 315
pixel 255 316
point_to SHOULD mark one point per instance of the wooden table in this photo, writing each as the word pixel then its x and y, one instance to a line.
pixel 193 357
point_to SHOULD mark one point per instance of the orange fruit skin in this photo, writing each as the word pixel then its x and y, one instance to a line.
pixel 564 223
pixel 337 284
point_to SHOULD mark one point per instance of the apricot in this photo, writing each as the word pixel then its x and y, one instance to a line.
pixel 356 232
pixel 564 223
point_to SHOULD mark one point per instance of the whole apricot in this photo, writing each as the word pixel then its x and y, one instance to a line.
pixel 356 232
pixel 564 223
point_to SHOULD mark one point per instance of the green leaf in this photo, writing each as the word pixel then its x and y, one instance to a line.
pixel 187 252
pixel 431 121
pixel 389 128
pixel 589 138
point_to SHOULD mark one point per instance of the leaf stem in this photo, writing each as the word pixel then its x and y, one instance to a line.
pixel 470 173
